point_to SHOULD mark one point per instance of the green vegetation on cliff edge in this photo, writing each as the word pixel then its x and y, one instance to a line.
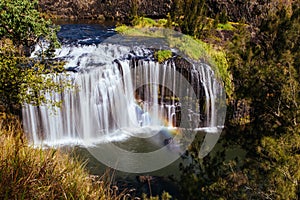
pixel 189 46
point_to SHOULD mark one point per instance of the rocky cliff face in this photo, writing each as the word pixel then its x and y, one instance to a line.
pixel 99 9
pixel 251 11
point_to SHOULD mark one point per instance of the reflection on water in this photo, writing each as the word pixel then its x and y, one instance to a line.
pixel 165 179
pixel 84 32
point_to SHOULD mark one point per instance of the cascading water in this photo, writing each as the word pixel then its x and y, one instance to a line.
pixel 118 91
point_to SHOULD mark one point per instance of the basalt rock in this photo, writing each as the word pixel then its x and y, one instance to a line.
pixel 252 12
pixel 100 9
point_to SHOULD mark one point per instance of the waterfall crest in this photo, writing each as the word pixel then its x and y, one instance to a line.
pixel 120 92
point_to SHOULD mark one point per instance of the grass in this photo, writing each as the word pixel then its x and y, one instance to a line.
pixel 31 173
pixel 142 22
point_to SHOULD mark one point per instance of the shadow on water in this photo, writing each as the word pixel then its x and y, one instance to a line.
pixel 84 32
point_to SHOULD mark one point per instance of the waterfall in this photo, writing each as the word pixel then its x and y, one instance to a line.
pixel 117 91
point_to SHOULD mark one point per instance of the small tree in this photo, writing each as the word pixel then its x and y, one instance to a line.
pixel 24 79
pixel 21 22
pixel 190 16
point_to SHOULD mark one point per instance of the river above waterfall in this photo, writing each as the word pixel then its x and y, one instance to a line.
pixel 127 111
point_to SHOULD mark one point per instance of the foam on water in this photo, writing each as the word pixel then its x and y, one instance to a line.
pixel 105 107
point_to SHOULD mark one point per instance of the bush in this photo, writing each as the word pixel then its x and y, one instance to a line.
pixel 162 55
pixel 23 79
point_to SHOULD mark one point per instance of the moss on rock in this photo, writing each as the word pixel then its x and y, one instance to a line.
pixel 162 55
pixel 194 49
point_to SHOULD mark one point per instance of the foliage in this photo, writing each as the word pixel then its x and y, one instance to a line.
pixel 134 8
pixel 21 23
pixel 143 22
pixel 139 23
pixel 24 80
pixel 162 55
pixel 227 26
pixel 27 81
pixel 162 23
pixel 282 164
pixel 223 18
pixel 273 82
pixel 191 17
pixel 164 196
pixel 122 28
pixel 265 68
pixel 33 173
pixel 265 71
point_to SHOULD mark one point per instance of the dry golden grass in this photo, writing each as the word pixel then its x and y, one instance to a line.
pixel 31 173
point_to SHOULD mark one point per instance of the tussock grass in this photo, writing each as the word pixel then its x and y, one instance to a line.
pixel 30 173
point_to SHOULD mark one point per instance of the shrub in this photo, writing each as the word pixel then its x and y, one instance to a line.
pixel 33 173
pixel 162 55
